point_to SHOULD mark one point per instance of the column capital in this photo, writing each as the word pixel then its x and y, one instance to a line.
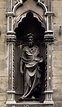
pixel 48 37
pixel 48 91
pixel 49 13
pixel 10 14
pixel 11 37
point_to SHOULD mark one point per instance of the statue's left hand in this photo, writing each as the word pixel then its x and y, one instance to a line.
pixel 41 60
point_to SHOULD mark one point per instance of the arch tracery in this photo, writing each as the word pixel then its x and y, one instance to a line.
pixel 19 19
pixel 38 2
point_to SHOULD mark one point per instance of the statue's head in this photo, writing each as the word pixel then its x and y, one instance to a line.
pixel 30 37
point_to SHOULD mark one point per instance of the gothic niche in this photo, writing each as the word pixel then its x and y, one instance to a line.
pixel 30 58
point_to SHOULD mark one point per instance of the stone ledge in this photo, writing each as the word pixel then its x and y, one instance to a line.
pixel 30 104
pixel 33 105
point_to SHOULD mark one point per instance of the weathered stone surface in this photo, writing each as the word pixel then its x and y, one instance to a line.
pixel 58 104
pixel 3 68
pixel 3 104
pixel 3 84
pixel 30 105
pixel 2 97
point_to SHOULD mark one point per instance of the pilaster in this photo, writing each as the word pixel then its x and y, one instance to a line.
pixel 11 69
pixel 11 39
pixel 48 37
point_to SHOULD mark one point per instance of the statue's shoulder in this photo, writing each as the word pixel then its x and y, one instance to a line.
pixel 25 47
pixel 36 47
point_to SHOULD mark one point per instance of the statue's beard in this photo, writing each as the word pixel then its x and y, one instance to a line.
pixel 30 44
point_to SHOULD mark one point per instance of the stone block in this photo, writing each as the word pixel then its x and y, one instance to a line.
pixel 57 11
pixel 2 4
pixel 2 48
pixel 2 37
pixel 57 46
pixel 3 104
pixel 3 97
pixel 3 84
pixel 2 18
pixel 56 71
pixel 4 73
pixel 58 104
pixel 57 63
pixel 56 85
pixel 57 55
pixel 57 96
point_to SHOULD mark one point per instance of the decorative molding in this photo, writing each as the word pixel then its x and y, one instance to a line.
pixel 21 1
pixel 17 6
pixel 41 4
pixel 11 97
pixel 11 33
pixel 48 74
pixel 49 37
pixel 49 13
pixel 10 14
pixel 11 38
pixel 20 17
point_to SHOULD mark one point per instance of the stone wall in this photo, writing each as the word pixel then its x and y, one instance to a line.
pixel 56 54
pixel 3 54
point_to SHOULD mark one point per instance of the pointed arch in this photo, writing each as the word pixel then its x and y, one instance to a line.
pixel 19 19
pixel 30 22
pixel 19 4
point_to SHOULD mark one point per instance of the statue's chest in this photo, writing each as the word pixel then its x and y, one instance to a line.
pixel 31 50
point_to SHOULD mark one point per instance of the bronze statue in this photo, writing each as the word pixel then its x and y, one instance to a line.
pixel 29 66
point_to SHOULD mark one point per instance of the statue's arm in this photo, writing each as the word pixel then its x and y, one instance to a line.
pixel 25 60
pixel 37 56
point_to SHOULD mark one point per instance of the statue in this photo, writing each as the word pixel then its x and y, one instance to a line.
pixel 29 67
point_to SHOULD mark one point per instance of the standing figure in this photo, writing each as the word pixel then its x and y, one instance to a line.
pixel 29 66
